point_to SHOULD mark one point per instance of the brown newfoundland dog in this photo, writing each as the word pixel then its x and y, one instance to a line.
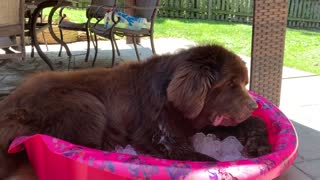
pixel 155 106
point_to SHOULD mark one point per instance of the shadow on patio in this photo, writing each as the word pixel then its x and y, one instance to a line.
pixel 12 72
pixel 306 166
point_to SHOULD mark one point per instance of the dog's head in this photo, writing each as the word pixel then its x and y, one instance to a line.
pixel 208 87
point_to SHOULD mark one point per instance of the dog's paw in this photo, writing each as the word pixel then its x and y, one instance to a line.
pixel 257 146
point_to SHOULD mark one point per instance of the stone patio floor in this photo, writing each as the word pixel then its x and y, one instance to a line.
pixel 300 97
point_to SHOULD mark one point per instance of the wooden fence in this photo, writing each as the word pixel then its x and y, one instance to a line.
pixel 302 13
pixel 225 10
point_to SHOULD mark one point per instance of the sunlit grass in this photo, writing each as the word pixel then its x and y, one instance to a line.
pixel 303 50
pixel 302 47
pixel 236 37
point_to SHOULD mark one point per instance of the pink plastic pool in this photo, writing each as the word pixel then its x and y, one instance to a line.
pixel 55 159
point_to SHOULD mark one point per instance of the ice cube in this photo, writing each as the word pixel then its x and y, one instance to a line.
pixel 118 148
pixel 231 144
pixel 227 150
pixel 127 150
pixel 198 139
pixel 231 149
pixel 231 156
pixel 208 145
pixel 212 136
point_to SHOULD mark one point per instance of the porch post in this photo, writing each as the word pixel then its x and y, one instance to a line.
pixel 268 40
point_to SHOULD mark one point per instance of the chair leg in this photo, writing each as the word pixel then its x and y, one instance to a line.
pixel 32 48
pixel 45 40
pixel 69 62
pixel 152 44
pixel 93 40
pixel 88 46
pixel 113 54
pixel 61 37
pixel 91 36
pixel 135 47
pixel 115 43
pixel 95 49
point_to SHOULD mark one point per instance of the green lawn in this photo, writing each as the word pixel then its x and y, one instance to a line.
pixel 236 37
pixel 302 47
pixel 302 50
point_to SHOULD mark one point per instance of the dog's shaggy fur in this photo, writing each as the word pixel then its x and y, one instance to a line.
pixel 155 106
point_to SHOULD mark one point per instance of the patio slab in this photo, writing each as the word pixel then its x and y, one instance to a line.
pixel 300 100
pixel 293 173
pixel 310 167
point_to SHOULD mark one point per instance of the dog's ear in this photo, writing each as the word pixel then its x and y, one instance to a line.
pixel 188 88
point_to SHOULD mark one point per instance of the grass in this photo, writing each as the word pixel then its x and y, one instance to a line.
pixel 302 47
pixel 236 37
pixel 302 50
pixel 75 15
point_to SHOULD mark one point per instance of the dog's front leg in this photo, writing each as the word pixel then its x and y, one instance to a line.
pixel 253 134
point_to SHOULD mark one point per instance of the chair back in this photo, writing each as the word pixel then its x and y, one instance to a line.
pixel 12 26
pixel 92 10
pixel 10 12
pixel 149 14
pixel 110 3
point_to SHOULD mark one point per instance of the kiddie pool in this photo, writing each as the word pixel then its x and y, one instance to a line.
pixel 55 159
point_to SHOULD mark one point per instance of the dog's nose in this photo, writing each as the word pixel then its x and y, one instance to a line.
pixel 252 105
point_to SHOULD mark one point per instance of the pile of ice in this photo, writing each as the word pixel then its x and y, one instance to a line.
pixel 228 149
pixel 126 150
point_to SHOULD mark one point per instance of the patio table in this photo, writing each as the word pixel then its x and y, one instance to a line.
pixel 36 6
